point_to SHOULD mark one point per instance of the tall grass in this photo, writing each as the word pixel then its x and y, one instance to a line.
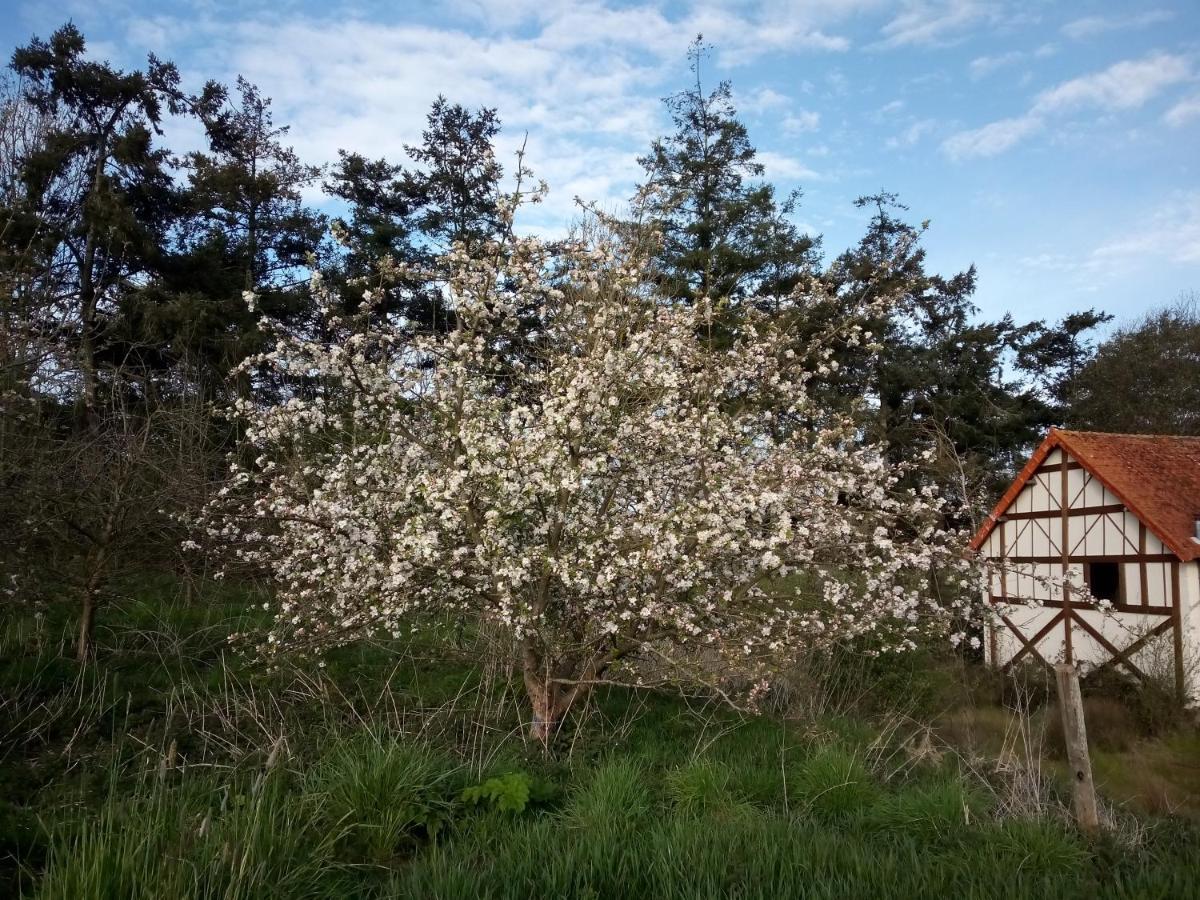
pixel 175 769
pixel 373 817
pixel 205 837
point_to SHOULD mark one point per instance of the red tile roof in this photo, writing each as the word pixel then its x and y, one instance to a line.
pixel 1157 477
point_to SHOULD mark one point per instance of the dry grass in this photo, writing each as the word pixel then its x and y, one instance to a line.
pixel 1134 768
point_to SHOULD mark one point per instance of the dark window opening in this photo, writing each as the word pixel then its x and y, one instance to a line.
pixel 1103 580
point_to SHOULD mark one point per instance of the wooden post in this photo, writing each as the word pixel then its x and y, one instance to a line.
pixel 1070 702
pixel 1064 505
pixel 1177 629
pixel 993 638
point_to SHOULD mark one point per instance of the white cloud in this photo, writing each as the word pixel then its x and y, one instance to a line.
pixel 923 22
pixel 911 135
pixel 986 65
pixel 1171 232
pixel 583 79
pixel 762 100
pixel 1166 235
pixel 1125 85
pixel 1186 110
pixel 801 121
pixel 767 100
pixel 992 139
pixel 982 66
pixel 1092 26
pixel 366 86
pixel 780 166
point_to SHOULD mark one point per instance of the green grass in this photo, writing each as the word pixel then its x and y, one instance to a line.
pixel 173 768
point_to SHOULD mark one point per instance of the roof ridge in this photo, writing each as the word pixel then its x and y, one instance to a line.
pixel 1136 434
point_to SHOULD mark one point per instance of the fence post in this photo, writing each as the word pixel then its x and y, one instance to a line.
pixel 1070 702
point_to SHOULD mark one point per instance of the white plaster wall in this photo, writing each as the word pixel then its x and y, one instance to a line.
pixel 1156 657
pixel 1119 629
pixel 1189 597
pixel 1113 534
pixel 1030 620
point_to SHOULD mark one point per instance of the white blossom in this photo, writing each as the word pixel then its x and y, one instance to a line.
pixel 612 490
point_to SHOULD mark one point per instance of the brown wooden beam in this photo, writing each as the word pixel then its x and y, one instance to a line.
pixel 1056 467
pixel 1143 578
pixel 1071 511
pixel 1159 629
pixel 1128 558
pixel 1177 626
pixel 993 643
pixel 1030 644
pixel 1003 550
pixel 1064 504
pixel 1075 604
pixel 1121 655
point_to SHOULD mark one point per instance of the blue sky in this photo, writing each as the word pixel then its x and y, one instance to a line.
pixel 1054 145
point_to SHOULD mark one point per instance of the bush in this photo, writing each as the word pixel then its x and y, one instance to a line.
pixel 1151 703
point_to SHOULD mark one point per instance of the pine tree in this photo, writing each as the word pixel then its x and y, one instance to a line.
pixel 1055 356
pixel 457 186
pixel 724 233
pixel 407 215
pixel 97 195
pixel 943 381
pixel 245 228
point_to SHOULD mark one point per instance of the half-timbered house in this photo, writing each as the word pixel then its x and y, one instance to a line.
pixel 1094 553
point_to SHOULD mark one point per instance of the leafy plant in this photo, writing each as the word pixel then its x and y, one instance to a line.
pixel 511 792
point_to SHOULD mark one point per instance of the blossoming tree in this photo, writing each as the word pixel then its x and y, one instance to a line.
pixel 606 489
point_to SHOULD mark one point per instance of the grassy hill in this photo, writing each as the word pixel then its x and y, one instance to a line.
pixel 173 768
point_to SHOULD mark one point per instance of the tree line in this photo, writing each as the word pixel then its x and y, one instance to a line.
pixel 132 278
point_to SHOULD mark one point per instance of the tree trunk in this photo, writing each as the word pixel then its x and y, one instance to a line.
pixel 87 333
pixel 547 719
pixel 87 624
pixel 554 685
pixel 546 698
pixel 97 563
pixel 89 295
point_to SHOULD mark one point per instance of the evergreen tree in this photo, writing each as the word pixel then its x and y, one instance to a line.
pixel 246 193
pixel 398 215
pixel 1054 357
pixel 943 382
pixel 90 203
pixel 244 228
pixel 96 196
pixel 381 210
pixel 724 233
pixel 456 188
